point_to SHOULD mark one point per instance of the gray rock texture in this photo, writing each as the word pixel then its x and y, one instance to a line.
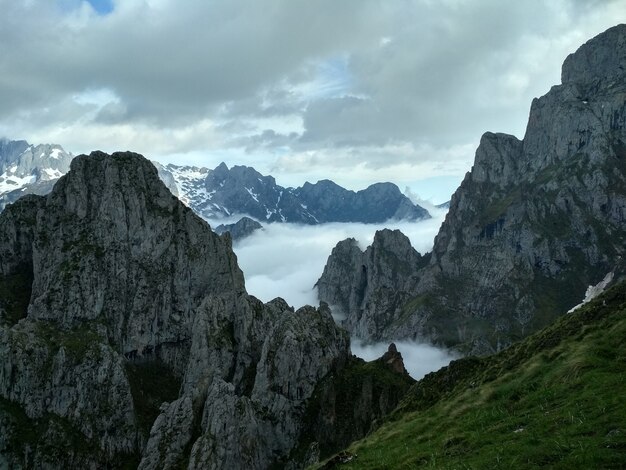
pixel 536 220
pixel 370 288
pixel 348 405
pixel 127 338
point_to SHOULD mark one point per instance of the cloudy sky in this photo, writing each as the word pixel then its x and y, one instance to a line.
pixel 356 90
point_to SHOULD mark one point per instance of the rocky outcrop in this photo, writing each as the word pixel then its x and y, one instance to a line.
pixel 350 404
pixel 243 228
pixel 536 220
pixel 118 268
pixel 251 371
pixel 133 340
pixel 226 191
pixel 370 288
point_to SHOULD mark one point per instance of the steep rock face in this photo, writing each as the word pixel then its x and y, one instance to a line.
pixel 115 244
pixel 535 221
pixel 371 287
pixel 251 370
pixel 17 233
pixel 136 344
pixel 347 406
pixel 117 268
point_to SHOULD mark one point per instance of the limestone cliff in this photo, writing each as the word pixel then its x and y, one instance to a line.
pixel 535 221
pixel 127 338
pixel 371 287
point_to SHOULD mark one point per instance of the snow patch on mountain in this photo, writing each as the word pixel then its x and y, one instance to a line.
pixel 9 182
pixel 26 168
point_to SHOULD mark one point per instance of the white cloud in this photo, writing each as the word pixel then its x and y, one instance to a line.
pixel 419 358
pixel 286 260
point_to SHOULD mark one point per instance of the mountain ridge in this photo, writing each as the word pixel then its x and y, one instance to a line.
pixel 221 192
pixel 29 169
pixel 533 224
pixel 242 190
pixel 128 338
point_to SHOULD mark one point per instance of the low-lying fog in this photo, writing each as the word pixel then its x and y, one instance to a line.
pixel 286 260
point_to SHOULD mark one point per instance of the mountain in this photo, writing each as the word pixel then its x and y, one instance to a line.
pixel 383 278
pixel 533 224
pixel 218 193
pixel 241 229
pixel 243 190
pixel 26 169
pixel 127 339
pixel 552 400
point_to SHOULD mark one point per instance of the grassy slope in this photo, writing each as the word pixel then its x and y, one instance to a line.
pixel 554 400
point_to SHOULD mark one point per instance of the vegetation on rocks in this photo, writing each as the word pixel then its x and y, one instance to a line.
pixel 553 400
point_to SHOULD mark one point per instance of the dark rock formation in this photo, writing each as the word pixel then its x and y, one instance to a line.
pixel 393 360
pixel 371 287
pixel 534 223
pixel 243 228
pixel 128 338
pixel 347 405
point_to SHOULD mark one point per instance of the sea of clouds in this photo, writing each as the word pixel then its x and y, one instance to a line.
pixel 286 260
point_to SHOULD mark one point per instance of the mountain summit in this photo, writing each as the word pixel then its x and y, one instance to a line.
pixel 221 192
pixel 242 190
pixel 127 339
pixel 26 169
pixel 533 224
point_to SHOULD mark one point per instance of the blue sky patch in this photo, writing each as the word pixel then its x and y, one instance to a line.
pixel 102 7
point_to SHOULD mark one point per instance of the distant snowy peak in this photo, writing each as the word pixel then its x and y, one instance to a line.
pixel 45 161
pixel 26 168
pixel 219 193
pixel 240 190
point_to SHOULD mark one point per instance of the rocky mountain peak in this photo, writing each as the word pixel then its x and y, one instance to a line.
pixel 109 231
pixel 533 224
pixel 370 286
pixel 221 168
pixel 393 359
pixel 125 329
pixel 11 148
pixel 242 228
pixel 26 169
pixel 602 58
pixel 394 241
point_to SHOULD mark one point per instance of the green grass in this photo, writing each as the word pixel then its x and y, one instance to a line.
pixel 554 400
